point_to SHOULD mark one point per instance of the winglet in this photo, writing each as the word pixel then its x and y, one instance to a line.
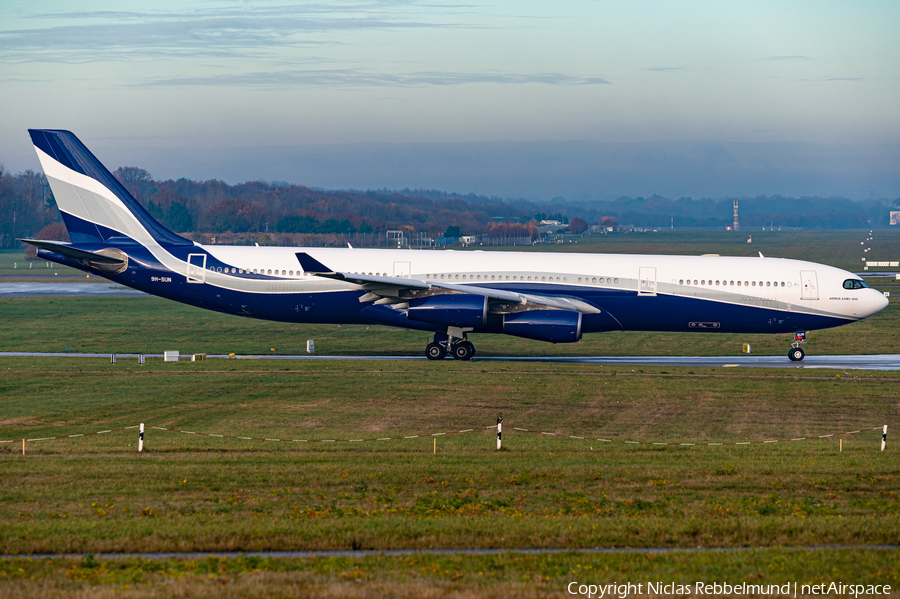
pixel 760 255
pixel 312 265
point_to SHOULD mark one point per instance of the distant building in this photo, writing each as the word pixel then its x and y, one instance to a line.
pixel 550 229
pixel 895 217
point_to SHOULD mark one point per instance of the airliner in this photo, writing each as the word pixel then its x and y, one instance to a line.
pixel 550 297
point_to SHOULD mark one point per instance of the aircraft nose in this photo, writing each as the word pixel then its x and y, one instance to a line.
pixel 880 302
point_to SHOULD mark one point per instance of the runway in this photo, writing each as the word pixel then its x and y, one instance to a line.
pixel 859 362
pixel 70 289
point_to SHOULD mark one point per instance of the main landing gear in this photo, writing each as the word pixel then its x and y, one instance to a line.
pixel 460 349
pixel 796 353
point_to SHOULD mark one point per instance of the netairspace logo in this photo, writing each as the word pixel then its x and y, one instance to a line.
pixel 791 589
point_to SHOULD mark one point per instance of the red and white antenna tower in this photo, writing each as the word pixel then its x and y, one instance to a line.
pixel 736 225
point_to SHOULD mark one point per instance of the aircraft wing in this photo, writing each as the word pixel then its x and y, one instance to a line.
pixel 396 290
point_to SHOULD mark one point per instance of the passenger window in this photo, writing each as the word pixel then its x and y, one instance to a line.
pixel 615 280
pixel 594 280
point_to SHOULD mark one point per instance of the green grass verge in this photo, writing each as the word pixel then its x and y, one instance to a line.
pixel 416 576
pixel 203 494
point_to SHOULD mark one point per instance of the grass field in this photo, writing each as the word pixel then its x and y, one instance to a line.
pixel 190 493
pixel 95 494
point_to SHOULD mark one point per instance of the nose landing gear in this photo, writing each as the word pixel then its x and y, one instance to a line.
pixel 796 353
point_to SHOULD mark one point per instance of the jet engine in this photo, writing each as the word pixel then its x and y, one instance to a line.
pixel 555 326
pixel 452 310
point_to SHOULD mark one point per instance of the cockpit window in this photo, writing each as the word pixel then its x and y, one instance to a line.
pixel 854 284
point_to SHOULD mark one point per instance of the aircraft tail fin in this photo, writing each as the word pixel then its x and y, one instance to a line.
pixel 95 207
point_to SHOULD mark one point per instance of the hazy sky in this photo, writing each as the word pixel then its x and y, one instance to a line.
pixel 201 89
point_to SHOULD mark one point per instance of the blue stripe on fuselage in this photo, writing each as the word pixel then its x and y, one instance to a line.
pixel 618 307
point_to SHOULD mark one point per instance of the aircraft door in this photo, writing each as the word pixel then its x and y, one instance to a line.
pixel 196 268
pixel 647 280
pixel 810 285
pixel 401 270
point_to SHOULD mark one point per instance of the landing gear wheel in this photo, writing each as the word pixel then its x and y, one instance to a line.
pixel 435 351
pixel 796 354
pixel 463 350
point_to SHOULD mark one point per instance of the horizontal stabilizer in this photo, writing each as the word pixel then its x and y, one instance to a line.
pixel 66 249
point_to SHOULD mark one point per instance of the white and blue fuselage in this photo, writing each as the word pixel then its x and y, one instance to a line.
pixel 554 297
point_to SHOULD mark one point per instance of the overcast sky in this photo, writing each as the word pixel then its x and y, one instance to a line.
pixel 520 98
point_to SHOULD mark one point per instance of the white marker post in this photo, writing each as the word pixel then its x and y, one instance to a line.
pixel 499 428
pixel 141 439
pixel 883 437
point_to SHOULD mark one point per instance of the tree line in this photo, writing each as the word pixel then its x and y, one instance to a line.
pixel 247 210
